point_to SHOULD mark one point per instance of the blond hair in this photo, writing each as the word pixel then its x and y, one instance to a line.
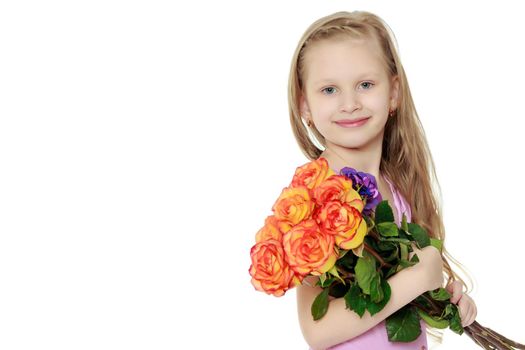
pixel 406 158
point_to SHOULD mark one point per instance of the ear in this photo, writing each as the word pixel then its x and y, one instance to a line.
pixel 394 93
pixel 303 107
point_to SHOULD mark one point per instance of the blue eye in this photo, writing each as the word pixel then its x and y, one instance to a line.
pixel 367 82
pixel 330 87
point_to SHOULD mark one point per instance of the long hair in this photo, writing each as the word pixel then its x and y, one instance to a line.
pixel 406 158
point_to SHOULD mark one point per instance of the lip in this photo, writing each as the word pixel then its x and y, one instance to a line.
pixel 352 123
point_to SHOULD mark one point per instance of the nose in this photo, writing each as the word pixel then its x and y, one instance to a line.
pixel 349 102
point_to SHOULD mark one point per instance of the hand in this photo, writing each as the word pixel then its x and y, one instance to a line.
pixel 467 307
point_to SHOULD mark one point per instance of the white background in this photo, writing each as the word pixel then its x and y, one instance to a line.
pixel 143 143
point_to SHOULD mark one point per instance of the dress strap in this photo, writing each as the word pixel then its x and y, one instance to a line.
pixel 400 203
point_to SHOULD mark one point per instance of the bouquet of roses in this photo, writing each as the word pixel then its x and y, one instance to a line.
pixel 337 227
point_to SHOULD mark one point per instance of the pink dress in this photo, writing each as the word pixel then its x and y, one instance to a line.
pixel 376 337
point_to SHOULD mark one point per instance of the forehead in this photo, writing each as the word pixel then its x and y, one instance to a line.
pixel 344 59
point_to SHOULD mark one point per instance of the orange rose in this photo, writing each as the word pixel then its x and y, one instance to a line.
pixel 293 206
pixel 335 218
pixel 311 174
pixel 269 270
pixel 354 236
pixel 270 230
pixel 352 198
pixel 308 249
pixel 333 188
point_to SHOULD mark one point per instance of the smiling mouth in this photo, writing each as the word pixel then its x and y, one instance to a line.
pixel 351 123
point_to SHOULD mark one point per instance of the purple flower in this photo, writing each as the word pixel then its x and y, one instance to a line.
pixel 365 184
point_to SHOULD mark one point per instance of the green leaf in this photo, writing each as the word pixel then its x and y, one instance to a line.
pixel 386 246
pixel 448 311
pixel 376 290
pixel 383 212
pixel 404 251
pixel 322 278
pixel 333 272
pixel 437 243
pixel 405 235
pixel 440 294
pixel 403 325
pixel 395 239
pixel 365 269
pixel 414 258
pixel 392 255
pixel 405 263
pixel 432 321
pixel 387 229
pixel 320 305
pixel 455 321
pixel 354 300
pixel 374 308
pixel 404 225
pixel 327 282
pixel 419 234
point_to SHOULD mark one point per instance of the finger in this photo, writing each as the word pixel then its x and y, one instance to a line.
pixel 474 313
pixel 466 300
pixel 457 290
pixel 465 317
pixel 468 306
pixel 464 310
pixel 470 311
pixel 464 321
pixel 469 318
pixel 452 286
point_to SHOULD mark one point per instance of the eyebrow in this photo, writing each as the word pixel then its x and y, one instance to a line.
pixel 369 74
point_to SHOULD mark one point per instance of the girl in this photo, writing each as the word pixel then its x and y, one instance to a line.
pixel 348 86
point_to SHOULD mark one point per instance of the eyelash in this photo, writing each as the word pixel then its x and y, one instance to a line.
pixel 368 82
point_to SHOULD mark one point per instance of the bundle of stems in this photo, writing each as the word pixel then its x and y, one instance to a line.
pixel 483 336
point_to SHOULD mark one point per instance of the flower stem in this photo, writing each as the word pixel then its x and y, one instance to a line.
pixel 377 256
pixel 437 308
pixel 489 339
pixel 347 275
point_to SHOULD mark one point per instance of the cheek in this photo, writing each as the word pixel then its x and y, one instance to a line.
pixel 325 109
pixel 376 103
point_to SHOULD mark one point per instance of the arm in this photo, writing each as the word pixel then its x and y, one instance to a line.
pixel 340 324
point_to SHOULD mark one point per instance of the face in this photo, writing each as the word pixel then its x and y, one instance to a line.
pixel 346 80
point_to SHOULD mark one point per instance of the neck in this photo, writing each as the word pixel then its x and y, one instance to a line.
pixel 362 159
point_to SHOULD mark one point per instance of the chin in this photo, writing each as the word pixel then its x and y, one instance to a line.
pixel 359 141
